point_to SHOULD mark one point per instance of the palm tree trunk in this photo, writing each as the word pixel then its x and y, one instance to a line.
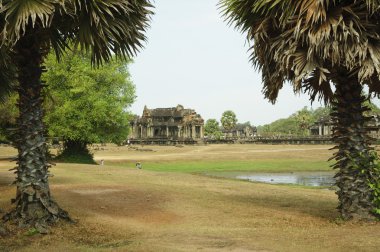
pixel 34 205
pixel 354 159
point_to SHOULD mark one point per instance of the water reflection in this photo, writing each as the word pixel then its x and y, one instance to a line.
pixel 297 178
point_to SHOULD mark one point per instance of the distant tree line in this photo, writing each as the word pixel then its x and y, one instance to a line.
pixel 298 123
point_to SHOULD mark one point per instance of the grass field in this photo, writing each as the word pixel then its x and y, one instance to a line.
pixel 169 206
pixel 270 158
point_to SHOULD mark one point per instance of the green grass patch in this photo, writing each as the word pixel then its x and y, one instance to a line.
pixel 254 166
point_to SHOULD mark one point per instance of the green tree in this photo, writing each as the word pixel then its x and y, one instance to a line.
pixel 29 30
pixel 373 109
pixel 329 49
pixel 228 120
pixel 304 120
pixel 212 129
pixel 8 115
pixel 88 105
pixel 285 126
pixel 321 112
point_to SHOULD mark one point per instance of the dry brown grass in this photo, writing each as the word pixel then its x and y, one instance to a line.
pixel 214 152
pixel 124 209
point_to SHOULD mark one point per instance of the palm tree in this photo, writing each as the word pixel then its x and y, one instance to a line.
pixel 29 29
pixel 228 120
pixel 329 49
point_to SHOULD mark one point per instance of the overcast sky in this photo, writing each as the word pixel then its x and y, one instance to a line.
pixel 194 59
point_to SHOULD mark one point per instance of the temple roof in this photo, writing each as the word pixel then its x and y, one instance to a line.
pixel 170 112
pixel 174 116
pixel 178 112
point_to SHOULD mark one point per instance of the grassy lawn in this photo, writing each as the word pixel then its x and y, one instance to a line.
pixel 260 158
pixel 236 165
pixel 121 208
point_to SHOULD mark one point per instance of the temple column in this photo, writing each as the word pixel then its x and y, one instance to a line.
pixel 135 131
pixel 179 131
pixel 167 131
pixel 194 132
pixel 202 132
pixel 320 130
pixel 132 135
pixel 326 130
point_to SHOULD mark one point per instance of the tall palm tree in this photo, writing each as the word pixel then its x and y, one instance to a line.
pixel 29 29
pixel 329 49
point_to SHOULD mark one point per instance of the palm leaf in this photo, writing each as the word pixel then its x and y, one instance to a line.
pixel 295 39
pixel 18 14
pixel 101 27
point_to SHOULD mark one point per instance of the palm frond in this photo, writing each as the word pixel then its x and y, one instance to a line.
pixel 101 27
pixel 19 14
pixel 298 38
pixel 373 5
pixel 318 87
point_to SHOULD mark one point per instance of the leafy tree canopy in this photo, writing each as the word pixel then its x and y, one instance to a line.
pixel 228 120
pixel 212 129
pixel 297 124
pixel 374 110
pixel 88 104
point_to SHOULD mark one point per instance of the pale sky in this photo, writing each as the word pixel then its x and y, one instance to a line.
pixel 194 59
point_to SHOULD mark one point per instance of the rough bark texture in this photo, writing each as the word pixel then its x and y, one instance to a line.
pixel 34 205
pixel 354 159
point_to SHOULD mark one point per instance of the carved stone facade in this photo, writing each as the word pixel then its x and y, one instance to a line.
pixel 241 131
pixel 324 127
pixel 175 123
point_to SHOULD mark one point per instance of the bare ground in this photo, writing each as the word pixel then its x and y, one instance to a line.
pixel 125 209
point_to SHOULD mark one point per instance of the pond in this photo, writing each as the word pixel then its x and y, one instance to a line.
pixel 296 178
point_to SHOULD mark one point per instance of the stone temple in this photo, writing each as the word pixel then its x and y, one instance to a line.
pixel 168 124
